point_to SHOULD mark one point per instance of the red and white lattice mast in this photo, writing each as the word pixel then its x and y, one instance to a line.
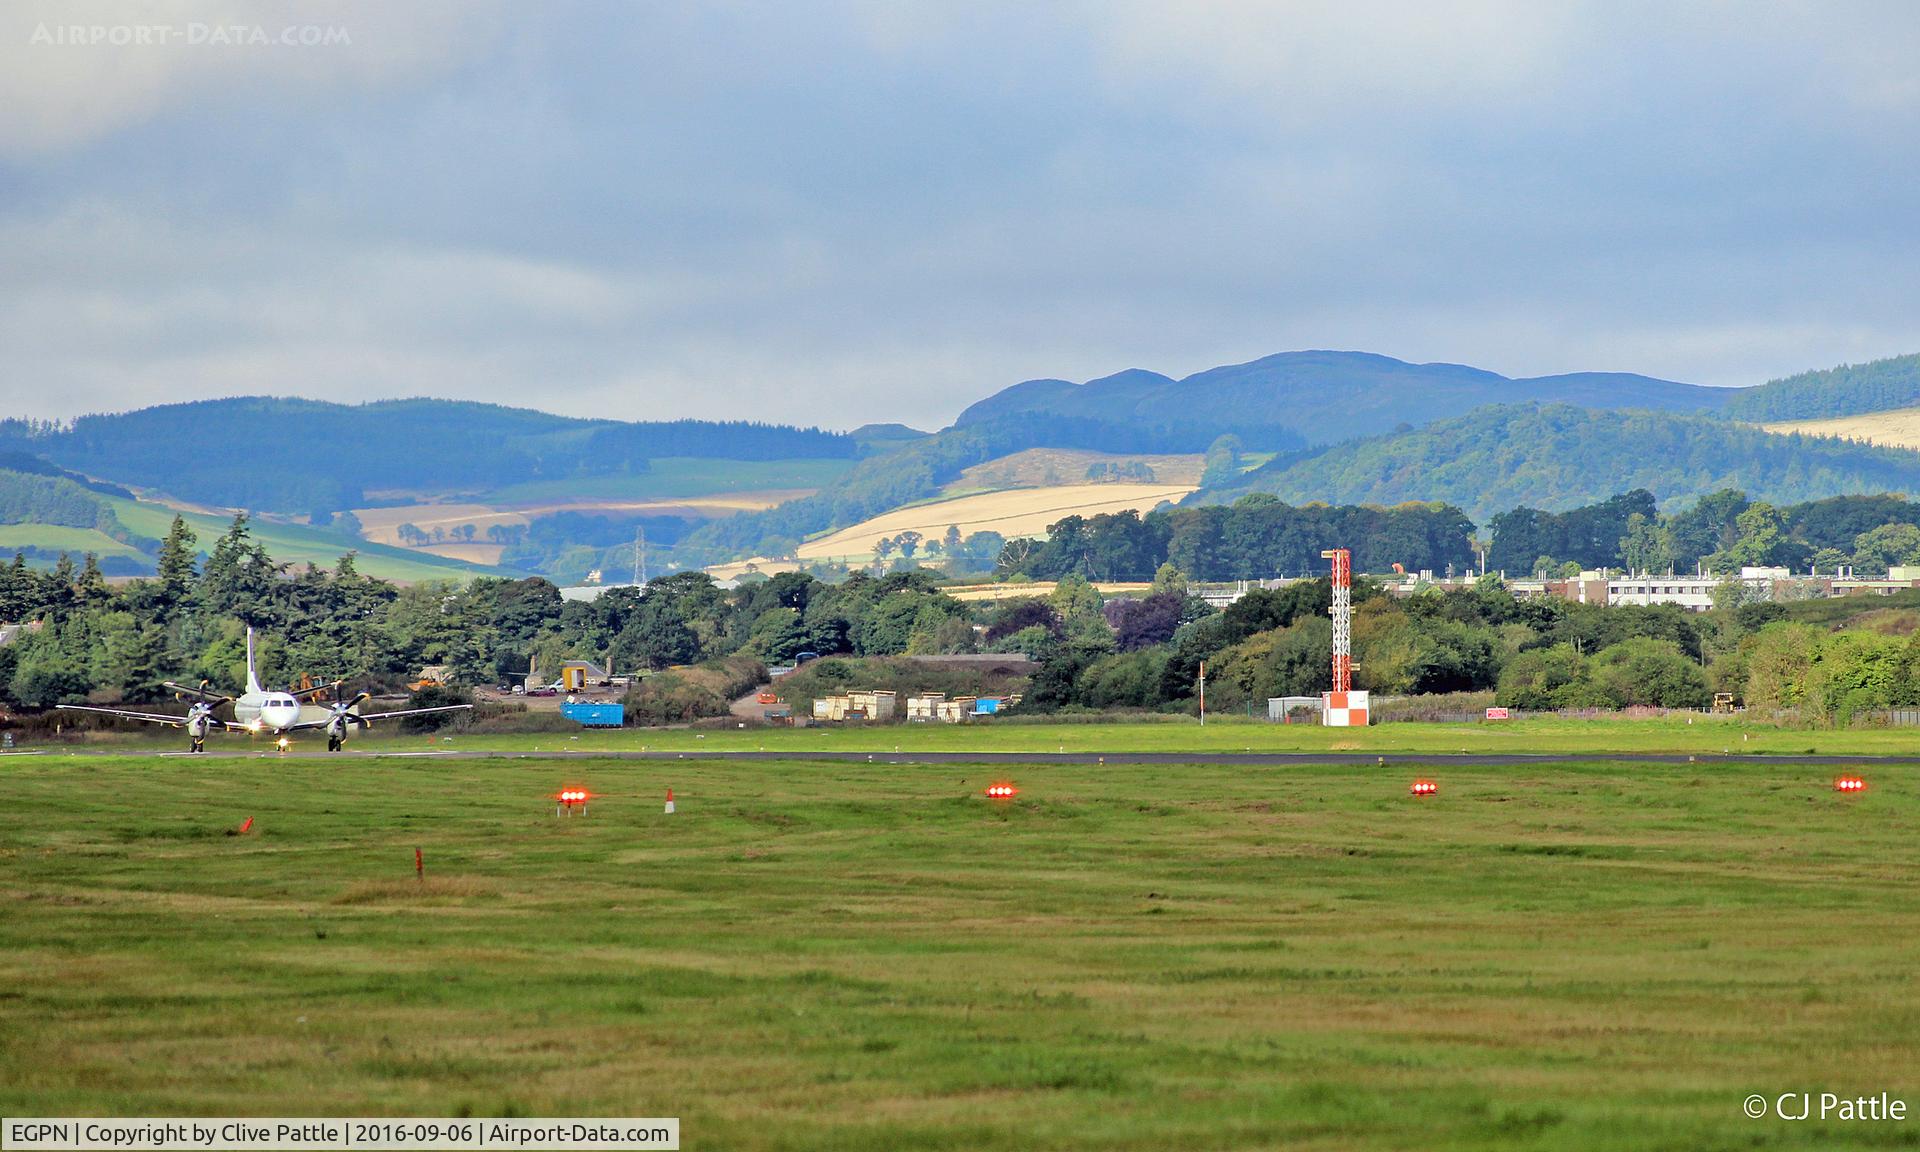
pixel 1342 613
pixel 1343 707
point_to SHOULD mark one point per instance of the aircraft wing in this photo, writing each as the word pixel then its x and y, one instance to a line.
pixel 415 712
pixel 198 693
pixel 149 717
pixel 315 725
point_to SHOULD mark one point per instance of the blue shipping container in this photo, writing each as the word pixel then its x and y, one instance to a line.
pixel 596 715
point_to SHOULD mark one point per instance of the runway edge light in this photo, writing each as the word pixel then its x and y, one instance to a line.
pixel 1002 791
pixel 1423 788
pixel 1849 784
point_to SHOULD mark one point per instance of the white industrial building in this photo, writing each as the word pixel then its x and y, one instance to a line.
pixel 1694 593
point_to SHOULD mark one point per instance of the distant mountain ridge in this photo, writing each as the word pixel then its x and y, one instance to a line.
pixel 1327 396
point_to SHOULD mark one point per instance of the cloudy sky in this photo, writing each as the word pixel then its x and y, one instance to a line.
pixel 883 210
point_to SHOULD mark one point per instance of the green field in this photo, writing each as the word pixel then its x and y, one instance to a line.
pixel 875 957
pixel 54 537
pixel 295 544
pixel 681 477
pixel 1706 736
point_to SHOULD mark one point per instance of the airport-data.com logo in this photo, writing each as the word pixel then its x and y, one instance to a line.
pixel 189 35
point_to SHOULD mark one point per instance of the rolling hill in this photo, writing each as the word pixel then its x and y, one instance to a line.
pixel 43 515
pixel 297 544
pixel 1319 412
pixel 1338 426
pixel 1324 397
pixel 1558 456
pixel 278 454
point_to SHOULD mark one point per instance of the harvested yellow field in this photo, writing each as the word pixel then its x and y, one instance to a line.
pixel 1053 467
pixel 1899 428
pixel 488 554
pixel 763 565
pixel 1039 588
pixel 382 525
pixel 1020 512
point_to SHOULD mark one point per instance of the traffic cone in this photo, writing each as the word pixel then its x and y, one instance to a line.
pixel 669 801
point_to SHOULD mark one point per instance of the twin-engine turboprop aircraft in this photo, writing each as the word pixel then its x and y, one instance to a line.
pixel 279 712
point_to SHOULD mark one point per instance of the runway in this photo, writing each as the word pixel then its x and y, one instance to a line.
pixel 1029 759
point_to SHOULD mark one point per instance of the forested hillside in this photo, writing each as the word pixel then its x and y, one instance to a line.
pixel 1844 391
pixel 298 456
pixel 35 499
pixel 1557 457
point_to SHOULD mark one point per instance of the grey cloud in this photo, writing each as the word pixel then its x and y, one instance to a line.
pixel 835 214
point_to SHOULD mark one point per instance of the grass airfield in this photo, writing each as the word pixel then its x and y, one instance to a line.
pixel 1706 736
pixel 873 956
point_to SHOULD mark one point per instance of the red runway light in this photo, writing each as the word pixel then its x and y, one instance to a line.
pixel 1849 784
pixel 571 796
pixel 1423 788
pixel 1001 791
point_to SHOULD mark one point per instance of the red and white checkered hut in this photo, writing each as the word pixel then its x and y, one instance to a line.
pixel 1344 710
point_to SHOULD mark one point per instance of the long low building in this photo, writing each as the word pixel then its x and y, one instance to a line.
pixel 1693 592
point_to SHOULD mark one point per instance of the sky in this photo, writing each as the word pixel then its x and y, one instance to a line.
pixel 835 214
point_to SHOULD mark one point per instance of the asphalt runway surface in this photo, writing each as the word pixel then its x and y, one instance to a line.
pixel 1247 759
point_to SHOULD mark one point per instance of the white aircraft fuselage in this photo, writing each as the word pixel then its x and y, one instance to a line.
pixel 272 711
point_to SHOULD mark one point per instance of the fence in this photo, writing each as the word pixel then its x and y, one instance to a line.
pixel 1887 718
pixel 1452 709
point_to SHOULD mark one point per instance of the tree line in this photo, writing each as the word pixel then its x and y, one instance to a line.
pixel 1721 532
pixel 1255 537
pixel 99 642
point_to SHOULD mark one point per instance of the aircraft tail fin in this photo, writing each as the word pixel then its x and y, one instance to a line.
pixel 253 677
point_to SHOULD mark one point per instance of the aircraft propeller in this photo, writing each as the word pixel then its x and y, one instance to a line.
pixel 340 714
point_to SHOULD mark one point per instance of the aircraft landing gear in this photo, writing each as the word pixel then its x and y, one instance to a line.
pixel 199 744
pixel 335 743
